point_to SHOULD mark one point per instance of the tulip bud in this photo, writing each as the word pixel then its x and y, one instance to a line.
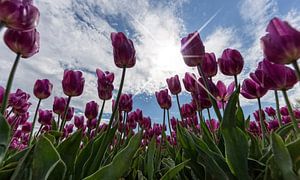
pixel 270 111
pixel 252 90
pixel 192 49
pixel 209 65
pixel 73 83
pixel 231 63
pixel 190 82
pixel 91 110
pixel 25 43
pixel 174 85
pixel 26 127
pixel 70 113
pixel 164 99
pixel 59 105
pixel 281 44
pixel 79 121
pixel 105 84
pixel 45 117
pixel 284 111
pixel 273 125
pixel 124 52
pixel 42 88
pixel 125 103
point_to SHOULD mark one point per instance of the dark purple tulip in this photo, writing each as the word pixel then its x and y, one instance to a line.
pixel 231 63
pixel 212 124
pixel 70 113
pixel 45 117
pixel 42 88
pixel 59 105
pixel 19 15
pixel 254 128
pixel 2 92
pixel 164 99
pixel 284 111
pixel 22 118
pixel 25 43
pixel 187 110
pixel 281 45
pixel 273 125
pixel 200 102
pixel 270 111
pixel 174 85
pixel 212 88
pixel 190 82
pixel 91 110
pixel 192 49
pixel 224 92
pixel 22 109
pixel 173 123
pixel 286 119
pixel 125 103
pixel 124 52
pixel 18 99
pixel 297 113
pixel 209 65
pixel 256 115
pixel 69 128
pixel 252 90
pixel 275 76
pixel 79 121
pixel 26 127
pixel 91 123
pixel 73 83
pixel 139 115
pixel 146 123
pixel 105 84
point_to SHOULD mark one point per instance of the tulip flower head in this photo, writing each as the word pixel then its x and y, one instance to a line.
pixel 73 83
pixel 231 62
pixel 164 99
pixel 91 110
pixel 174 85
pixel 105 84
pixel 42 88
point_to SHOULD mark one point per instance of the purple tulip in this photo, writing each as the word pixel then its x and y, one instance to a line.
pixel 173 123
pixel 26 127
pixel 42 88
pixel 19 15
pixel 297 113
pixel 212 124
pixel 22 118
pixel 224 92
pixel 212 88
pixel 254 128
pixel 164 99
pixel 146 123
pixel 125 103
pixel 124 52
pixel 252 90
pixel 19 101
pixel 284 111
pixel 231 63
pixel 270 111
pixel 45 117
pixel 23 109
pixel 25 43
pixel 275 76
pixel 69 128
pixel 2 92
pixel 256 115
pixel 200 101
pixel 105 84
pixel 91 123
pixel 70 113
pixel 273 125
pixel 187 110
pixel 79 121
pixel 286 119
pixel 209 65
pixel 91 110
pixel 192 49
pixel 281 44
pixel 59 105
pixel 190 82
pixel 174 85
pixel 73 83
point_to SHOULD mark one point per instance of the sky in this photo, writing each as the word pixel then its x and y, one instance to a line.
pixel 75 34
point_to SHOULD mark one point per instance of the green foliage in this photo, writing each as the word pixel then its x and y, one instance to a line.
pixel 4 136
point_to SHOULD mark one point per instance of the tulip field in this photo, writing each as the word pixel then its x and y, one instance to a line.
pixel 57 143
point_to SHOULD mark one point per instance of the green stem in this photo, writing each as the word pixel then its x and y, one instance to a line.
pixel 262 124
pixel 278 108
pixel 210 126
pixel 236 87
pixel 295 64
pixel 100 116
pixel 39 130
pixel 58 119
pixel 215 106
pixel 291 113
pixel 34 120
pixel 9 83
pixel 170 128
pixel 123 133
pixel 178 104
pixel 63 121
pixel 162 132
pixel 98 159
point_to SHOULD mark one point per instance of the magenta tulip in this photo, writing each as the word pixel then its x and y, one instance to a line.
pixel 69 115
pixel 19 15
pixel 209 65
pixel 26 127
pixel 124 52
pixel 174 85
pixel 270 111
pixel 252 90
pixel 125 103
pixel 79 122
pixel 231 63
pixel 105 84
pixel 190 82
pixel 73 83
pixel 164 99
pixel 91 110
pixel 188 110
pixel 224 92
pixel 273 125
pixel 45 117
pixel 2 92
pixel 42 88
pixel 281 44
pixel 91 123
pixel 24 43
pixel 59 105
pixel 192 49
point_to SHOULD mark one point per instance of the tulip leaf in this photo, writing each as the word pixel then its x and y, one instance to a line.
pixel 150 159
pixel 4 137
pixel 59 172
pixel 293 148
pixel 38 162
pixel 68 150
pixel 284 130
pixel 282 157
pixel 175 170
pixel 82 158
pixel 121 162
pixel 207 138
pixel 16 157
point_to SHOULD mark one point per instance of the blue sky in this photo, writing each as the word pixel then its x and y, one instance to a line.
pixel 75 34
